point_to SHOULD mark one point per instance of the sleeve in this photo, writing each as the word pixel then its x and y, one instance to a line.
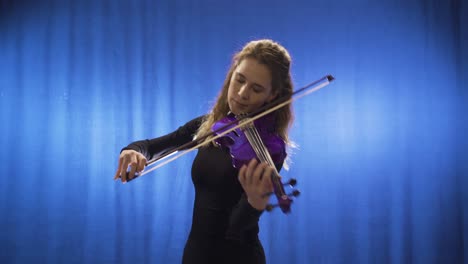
pixel 153 148
pixel 244 218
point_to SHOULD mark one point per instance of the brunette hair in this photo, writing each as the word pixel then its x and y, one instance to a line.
pixel 278 61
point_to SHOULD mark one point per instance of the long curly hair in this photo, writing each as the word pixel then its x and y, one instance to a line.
pixel 278 61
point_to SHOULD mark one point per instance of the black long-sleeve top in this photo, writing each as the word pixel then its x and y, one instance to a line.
pixel 224 225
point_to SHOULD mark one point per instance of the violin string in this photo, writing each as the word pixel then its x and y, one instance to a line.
pixel 264 149
pixel 248 131
pixel 265 153
pixel 262 152
pixel 258 145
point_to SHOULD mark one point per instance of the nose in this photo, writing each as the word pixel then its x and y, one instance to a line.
pixel 244 92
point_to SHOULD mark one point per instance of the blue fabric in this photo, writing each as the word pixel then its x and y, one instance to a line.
pixel 382 161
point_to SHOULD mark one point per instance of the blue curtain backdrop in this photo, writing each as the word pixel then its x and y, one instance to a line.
pixel 382 160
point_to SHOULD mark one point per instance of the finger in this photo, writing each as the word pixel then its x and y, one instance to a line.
pixel 133 167
pixel 258 173
pixel 126 163
pixel 250 168
pixel 141 164
pixel 131 173
pixel 117 173
pixel 123 169
pixel 267 186
pixel 242 178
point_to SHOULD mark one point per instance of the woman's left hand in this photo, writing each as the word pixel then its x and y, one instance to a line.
pixel 255 178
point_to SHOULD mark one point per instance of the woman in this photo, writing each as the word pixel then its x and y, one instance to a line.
pixel 228 201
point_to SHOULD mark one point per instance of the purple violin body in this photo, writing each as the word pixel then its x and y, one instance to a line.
pixel 242 151
pixel 240 148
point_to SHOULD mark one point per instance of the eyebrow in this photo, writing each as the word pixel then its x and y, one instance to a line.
pixel 243 76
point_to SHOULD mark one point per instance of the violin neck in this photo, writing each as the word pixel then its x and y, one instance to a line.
pixel 284 201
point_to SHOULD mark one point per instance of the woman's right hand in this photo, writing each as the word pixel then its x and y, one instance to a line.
pixel 132 158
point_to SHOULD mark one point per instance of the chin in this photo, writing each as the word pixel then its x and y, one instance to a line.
pixel 234 111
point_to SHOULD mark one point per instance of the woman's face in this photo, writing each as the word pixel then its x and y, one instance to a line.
pixel 250 87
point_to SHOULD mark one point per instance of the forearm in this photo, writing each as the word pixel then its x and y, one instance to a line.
pixel 244 218
pixel 152 148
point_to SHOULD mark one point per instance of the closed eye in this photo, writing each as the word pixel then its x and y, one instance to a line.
pixel 240 80
pixel 257 89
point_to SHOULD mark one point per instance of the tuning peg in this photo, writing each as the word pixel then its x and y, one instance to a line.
pixel 270 207
pixel 294 193
pixel 292 182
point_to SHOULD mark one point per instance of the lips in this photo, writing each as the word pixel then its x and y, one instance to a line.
pixel 239 104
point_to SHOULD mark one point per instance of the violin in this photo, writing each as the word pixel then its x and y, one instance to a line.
pixel 242 140
pixel 256 140
pixel 228 132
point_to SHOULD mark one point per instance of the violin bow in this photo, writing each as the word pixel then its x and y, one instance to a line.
pixel 176 153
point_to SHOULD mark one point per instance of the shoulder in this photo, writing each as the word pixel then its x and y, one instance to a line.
pixel 192 126
pixel 196 122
